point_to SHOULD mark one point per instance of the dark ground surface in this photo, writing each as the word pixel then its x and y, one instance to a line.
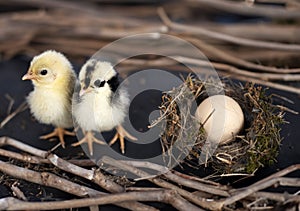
pixel 23 127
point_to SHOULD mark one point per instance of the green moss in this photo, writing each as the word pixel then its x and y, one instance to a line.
pixel 256 146
pixel 266 126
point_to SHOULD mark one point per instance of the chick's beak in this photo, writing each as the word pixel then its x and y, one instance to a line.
pixel 84 91
pixel 28 76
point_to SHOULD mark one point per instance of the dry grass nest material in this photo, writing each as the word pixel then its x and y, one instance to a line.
pixel 256 146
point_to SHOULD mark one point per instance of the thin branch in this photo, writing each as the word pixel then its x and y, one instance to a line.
pixel 17 192
pixel 278 174
pixel 243 78
pixel 281 197
pixel 47 179
pixel 38 160
pixel 4 141
pixel 95 176
pixel 11 103
pixel 259 30
pixel 224 37
pixel 237 61
pixel 295 182
pixel 256 80
pixel 24 158
pixel 83 162
pixel 54 181
pixel 254 10
pixel 75 7
pixel 15 204
pixel 142 189
pixel 232 69
pixel 194 178
pixel 69 167
pixel 21 108
pixel 273 178
pixel 189 196
pixel 278 86
pixel 179 180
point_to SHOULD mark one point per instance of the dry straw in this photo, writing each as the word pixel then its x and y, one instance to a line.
pixel 256 146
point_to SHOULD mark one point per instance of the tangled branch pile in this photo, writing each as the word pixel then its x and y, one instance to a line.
pixel 182 191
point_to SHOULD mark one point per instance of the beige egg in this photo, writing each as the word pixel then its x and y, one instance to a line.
pixel 222 117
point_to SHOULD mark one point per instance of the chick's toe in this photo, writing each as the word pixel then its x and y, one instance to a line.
pixel 121 134
pixel 89 138
pixel 58 132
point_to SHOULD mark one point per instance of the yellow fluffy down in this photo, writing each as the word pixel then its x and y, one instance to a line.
pixel 50 101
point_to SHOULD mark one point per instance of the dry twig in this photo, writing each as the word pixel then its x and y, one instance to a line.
pixel 215 190
pixel 21 108
pixel 223 70
pixel 211 205
pixel 224 37
pixel 237 61
pixel 238 194
pixel 17 192
pixel 253 10
pixel 160 196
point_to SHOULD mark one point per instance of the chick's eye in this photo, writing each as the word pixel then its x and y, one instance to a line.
pixel 44 72
pixel 99 83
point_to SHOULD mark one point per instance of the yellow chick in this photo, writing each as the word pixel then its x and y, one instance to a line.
pixel 54 79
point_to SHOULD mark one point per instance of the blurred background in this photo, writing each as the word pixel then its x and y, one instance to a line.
pixel 264 32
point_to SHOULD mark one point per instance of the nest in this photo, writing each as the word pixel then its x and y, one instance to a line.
pixel 256 146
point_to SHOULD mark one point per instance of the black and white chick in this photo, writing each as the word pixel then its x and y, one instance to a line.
pixel 99 104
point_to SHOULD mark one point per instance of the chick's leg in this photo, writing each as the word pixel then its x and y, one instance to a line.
pixel 58 132
pixel 121 134
pixel 89 138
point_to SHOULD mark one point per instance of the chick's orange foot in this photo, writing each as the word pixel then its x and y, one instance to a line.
pixel 121 134
pixel 89 138
pixel 58 132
